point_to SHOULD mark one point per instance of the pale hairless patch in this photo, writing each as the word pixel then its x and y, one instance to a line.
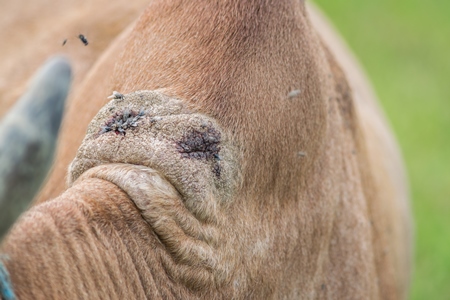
pixel 148 128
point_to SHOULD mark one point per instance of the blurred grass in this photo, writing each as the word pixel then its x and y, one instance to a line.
pixel 405 48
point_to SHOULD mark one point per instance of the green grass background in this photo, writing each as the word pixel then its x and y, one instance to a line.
pixel 405 48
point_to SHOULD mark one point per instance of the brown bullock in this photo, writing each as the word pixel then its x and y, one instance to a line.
pixel 246 159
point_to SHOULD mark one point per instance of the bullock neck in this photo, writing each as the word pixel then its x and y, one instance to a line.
pixel 237 62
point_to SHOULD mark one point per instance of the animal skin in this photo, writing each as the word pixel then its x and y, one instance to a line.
pixel 261 167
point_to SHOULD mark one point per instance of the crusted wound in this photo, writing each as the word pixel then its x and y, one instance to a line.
pixel 190 149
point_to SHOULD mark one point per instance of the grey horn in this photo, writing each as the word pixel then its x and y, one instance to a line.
pixel 28 135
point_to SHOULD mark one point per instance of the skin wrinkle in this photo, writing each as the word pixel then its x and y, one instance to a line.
pixel 99 237
pixel 42 275
pixel 90 263
pixel 117 217
pixel 108 266
pixel 129 243
pixel 46 266
pixel 87 285
pixel 141 200
pixel 103 266
pixel 72 249
pixel 125 256
pixel 92 249
pixel 194 253
pixel 274 224
pixel 68 281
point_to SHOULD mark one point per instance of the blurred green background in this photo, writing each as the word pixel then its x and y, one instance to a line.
pixel 405 48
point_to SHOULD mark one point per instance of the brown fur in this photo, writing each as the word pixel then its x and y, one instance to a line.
pixel 32 31
pixel 318 208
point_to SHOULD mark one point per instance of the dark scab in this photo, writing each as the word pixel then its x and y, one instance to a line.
pixel 217 169
pixel 105 129
pixel 202 145
pixel 126 115
pixel 212 139
pixel 122 121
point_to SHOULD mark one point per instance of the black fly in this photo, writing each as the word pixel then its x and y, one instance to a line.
pixel 83 39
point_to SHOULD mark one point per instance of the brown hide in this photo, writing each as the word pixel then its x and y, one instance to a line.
pixel 318 207
pixel 31 31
